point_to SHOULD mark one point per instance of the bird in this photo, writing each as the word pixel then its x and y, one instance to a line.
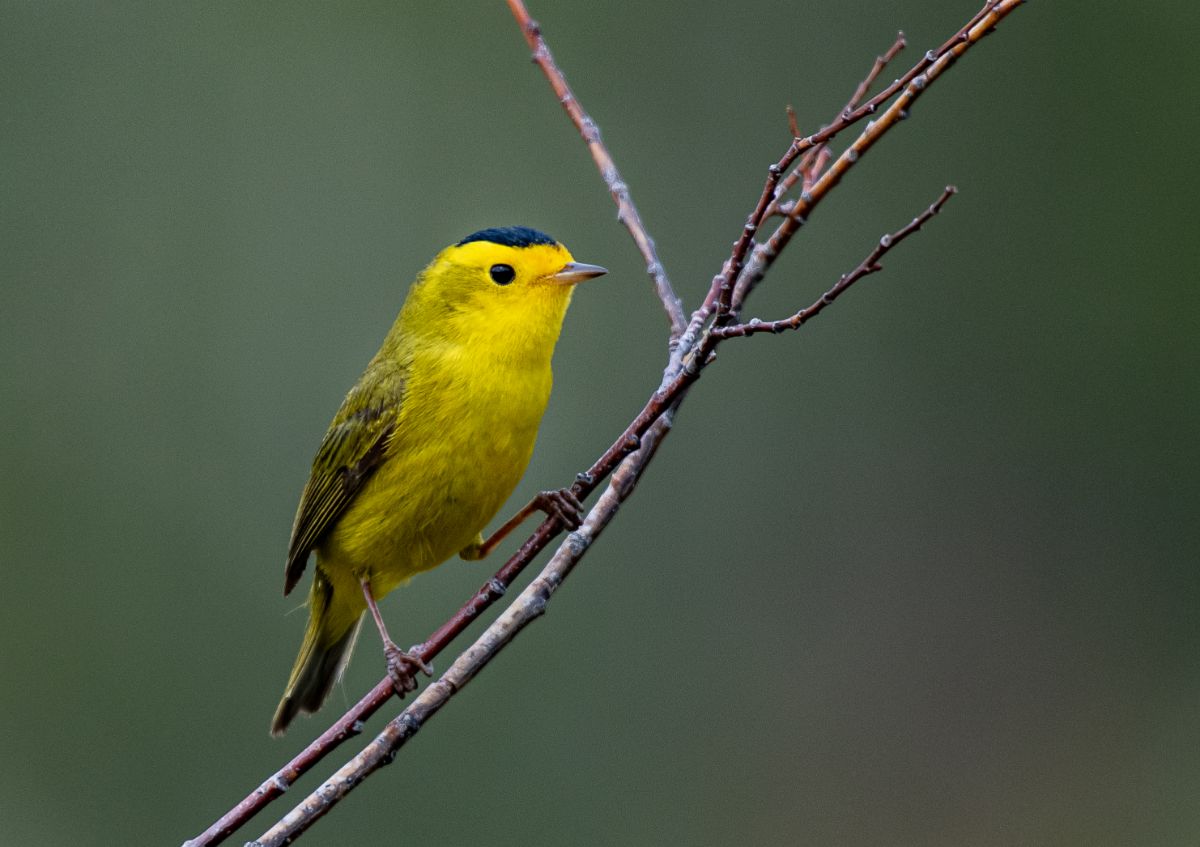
pixel 428 445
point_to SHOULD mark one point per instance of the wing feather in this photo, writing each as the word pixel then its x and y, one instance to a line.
pixel 354 446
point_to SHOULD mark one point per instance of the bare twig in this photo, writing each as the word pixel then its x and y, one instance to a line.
pixel 990 14
pixel 627 212
pixel 813 160
pixel 916 81
pixel 881 62
pixel 867 266
pixel 351 723
pixel 819 160
pixel 793 125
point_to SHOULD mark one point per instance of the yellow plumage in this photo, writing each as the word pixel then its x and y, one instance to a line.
pixel 432 439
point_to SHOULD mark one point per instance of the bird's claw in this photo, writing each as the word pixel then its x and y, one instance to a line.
pixel 562 504
pixel 402 668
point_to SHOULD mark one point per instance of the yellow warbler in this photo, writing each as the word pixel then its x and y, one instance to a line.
pixel 429 443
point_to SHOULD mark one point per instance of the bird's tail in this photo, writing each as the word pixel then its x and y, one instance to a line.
pixel 326 649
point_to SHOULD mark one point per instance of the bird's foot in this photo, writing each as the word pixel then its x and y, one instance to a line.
pixel 402 668
pixel 561 504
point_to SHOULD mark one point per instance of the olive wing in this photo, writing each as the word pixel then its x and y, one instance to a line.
pixel 354 446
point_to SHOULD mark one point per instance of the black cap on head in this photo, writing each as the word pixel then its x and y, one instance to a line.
pixel 510 236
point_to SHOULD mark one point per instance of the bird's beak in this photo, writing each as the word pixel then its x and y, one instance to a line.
pixel 573 272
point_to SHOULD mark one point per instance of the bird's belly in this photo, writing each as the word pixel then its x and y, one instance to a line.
pixel 450 468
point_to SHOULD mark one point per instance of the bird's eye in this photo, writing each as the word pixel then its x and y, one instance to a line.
pixel 502 274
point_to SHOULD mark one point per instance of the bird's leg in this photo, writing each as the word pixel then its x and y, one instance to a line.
pixel 401 666
pixel 561 504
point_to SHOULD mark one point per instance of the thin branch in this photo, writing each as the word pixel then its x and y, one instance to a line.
pixel 627 212
pixel 881 62
pixel 723 287
pixel 813 160
pixel 867 266
pixel 723 283
pixel 918 79
pixel 352 722
pixel 819 160
pixel 987 13
pixel 793 125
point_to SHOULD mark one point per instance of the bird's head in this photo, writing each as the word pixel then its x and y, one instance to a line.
pixel 507 282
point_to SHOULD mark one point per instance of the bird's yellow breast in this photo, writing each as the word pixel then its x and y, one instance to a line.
pixel 462 441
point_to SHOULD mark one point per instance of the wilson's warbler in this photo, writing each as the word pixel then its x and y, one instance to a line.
pixel 429 443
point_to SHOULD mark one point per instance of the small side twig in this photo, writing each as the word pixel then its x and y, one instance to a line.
pixel 814 159
pixel 881 62
pixel 867 266
pixel 969 33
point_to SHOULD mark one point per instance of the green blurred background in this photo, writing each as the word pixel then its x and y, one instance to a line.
pixel 922 574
